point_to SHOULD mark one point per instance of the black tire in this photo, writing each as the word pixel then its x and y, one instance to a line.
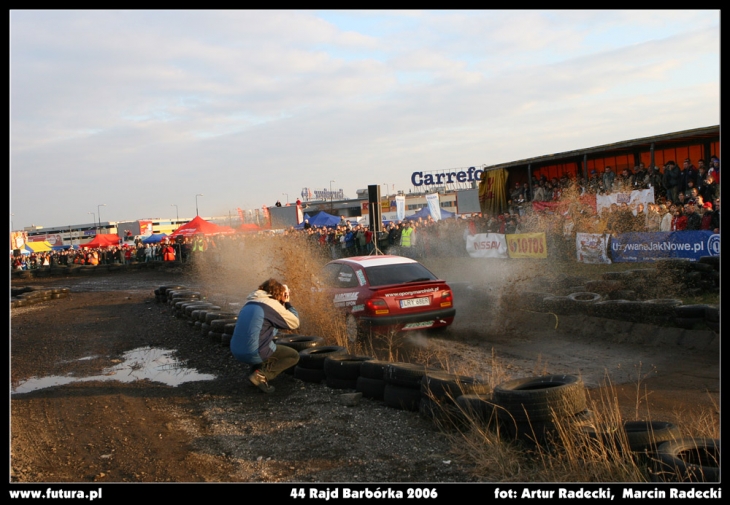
pixel 229 328
pixel 648 435
pixel 537 399
pixel 226 339
pixel 446 416
pixel 344 366
pixel 215 336
pixel 313 358
pixel 212 316
pixel 374 369
pixel 336 383
pixel 710 260
pixel 406 374
pixel 585 297
pixel 691 311
pixel 445 386
pixel 712 314
pixel 477 408
pixel 309 374
pixel 300 342
pixel 219 325
pixel 370 388
pixel 688 460
pixel 405 398
pixel 689 323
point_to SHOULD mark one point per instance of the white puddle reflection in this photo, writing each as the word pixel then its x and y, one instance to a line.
pixel 157 365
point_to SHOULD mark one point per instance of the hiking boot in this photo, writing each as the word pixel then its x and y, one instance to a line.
pixel 259 380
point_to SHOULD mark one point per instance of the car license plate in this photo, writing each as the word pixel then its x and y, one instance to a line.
pixel 415 302
pixel 413 326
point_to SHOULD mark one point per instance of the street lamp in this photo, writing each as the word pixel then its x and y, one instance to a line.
pixel 331 196
pixel 98 209
pixel 93 214
pixel 287 197
pixel 177 216
pixel 196 203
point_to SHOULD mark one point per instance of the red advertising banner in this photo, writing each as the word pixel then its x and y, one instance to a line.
pixel 145 228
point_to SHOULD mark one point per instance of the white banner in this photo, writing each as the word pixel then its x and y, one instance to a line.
pixel 591 248
pixel 632 199
pixel 433 206
pixel 487 245
pixel 400 207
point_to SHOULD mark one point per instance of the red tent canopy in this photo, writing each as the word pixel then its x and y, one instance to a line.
pixel 103 240
pixel 200 226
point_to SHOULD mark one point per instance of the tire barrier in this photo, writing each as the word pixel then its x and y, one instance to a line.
pixel 370 388
pixel 30 295
pixel 687 460
pixel 300 342
pixel 344 367
pixel 313 358
pixel 400 397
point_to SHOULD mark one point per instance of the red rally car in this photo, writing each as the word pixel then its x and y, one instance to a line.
pixel 388 293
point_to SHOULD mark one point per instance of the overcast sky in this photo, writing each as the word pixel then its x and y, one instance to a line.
pixel 142 110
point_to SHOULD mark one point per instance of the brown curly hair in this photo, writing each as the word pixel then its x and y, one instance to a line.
pixel 274 288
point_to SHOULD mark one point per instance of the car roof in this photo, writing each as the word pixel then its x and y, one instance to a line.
pixel 374 261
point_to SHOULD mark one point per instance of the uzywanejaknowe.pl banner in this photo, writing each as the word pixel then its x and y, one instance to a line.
pixel 692 245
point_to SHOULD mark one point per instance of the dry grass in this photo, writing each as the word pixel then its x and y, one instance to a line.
pixel 574 454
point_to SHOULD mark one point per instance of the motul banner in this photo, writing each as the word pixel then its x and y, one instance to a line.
pixel 527 245
pixel 486 245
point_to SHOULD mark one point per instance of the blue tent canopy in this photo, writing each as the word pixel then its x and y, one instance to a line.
pixel 154 238
pixel 425 214
pixel 321 219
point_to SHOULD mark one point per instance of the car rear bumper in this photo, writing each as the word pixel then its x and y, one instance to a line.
pixel 445 315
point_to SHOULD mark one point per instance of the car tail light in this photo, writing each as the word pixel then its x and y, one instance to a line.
pixel 447 299
pixel 377 306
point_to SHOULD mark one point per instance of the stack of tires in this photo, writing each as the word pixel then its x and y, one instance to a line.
pixel 403 385
pixel 371 382
pixel 534 409
pixel 341 371
pixel 311 362
pixel 440 392
pixel 298 343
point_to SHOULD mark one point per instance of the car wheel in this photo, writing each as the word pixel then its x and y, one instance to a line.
pixel 354 329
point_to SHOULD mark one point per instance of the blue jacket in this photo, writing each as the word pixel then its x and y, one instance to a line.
pixel 253 339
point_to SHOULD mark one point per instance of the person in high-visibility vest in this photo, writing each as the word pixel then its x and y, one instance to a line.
pixel 199 244
pixel 407 239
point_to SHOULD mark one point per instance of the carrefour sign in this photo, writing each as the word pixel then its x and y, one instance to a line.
pixel 470 175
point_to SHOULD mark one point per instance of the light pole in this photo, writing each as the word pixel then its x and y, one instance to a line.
pixel 196 203
pixel 287 197
pixel 331 196
pixel 93 214
pixel 177 216
pixel 98 209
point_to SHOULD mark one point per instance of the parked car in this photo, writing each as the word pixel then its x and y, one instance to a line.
pixel 388 293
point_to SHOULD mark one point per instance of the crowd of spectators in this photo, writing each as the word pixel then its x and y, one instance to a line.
pixel 686 198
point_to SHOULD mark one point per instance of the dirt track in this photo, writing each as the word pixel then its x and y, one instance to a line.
pixel 223 430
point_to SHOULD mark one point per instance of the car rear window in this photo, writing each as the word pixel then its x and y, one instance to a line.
pixel 398 274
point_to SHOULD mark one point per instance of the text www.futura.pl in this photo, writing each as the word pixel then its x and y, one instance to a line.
pixel 36 494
